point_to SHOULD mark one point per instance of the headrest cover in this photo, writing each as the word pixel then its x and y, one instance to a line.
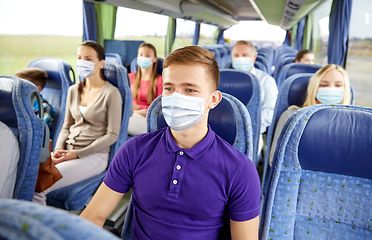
pixel 236 83
pixel 111 74
pixel 301 68
pixel 338 141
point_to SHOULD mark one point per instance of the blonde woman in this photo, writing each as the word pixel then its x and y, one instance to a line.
pixel 146 85
pixel 329 84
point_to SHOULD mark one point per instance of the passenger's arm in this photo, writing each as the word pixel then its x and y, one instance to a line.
pixel 268 103
pixel 67 122
pixel 247 230
pixel 102 204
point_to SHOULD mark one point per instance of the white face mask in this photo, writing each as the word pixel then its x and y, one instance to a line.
pixel 330 95
pixel 84 68
pixel 242 63
pixel 144 62
pixel 182 112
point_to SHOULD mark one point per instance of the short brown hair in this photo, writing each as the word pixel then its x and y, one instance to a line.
pixel 248 43
pixel 195 55
pixel 301 54
pixel 34 75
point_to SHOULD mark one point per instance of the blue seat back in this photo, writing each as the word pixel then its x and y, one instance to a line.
pixel 293 68
pixel 56 88
pixel 265 61
pixel 245 87
pixel 25 220
pixel 127 49
pixel 113 58
pixel 284 50
pixel 16 111
pixel 74 197
pixel 229 119
pixel 320 186
pixel 284 60
pixel 134 65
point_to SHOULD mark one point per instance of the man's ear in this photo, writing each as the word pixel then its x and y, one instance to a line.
pixel 216 99
pixel 254 58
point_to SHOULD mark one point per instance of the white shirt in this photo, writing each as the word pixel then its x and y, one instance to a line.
pixel 9 156
pixel 269 94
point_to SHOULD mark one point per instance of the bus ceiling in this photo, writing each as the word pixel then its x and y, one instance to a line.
pixel 224 14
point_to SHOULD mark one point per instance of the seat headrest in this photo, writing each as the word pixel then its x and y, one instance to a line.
pixel 221 119
pixel 236 83
pixel 58 71
pixel 111 74
pixel 7 112
pixel 298 90
pixel 338 140
pixel 301 68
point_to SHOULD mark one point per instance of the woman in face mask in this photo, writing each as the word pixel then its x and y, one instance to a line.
pixel 91 124
pixel 329 85
pixel 146 85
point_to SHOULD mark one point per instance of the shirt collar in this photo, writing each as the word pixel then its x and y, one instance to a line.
pixel 253 71
pixel 194 152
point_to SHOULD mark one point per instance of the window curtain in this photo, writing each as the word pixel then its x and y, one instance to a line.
pixel 89 22
pixel 287 41
pixel 220 39
pixel 171 35
pixel 300 34
pixel 339 31
pixel 306 40
pixel 106 21
pixel 196 34
pixel 294 35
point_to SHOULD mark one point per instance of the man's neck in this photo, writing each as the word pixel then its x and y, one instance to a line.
pixel 192 136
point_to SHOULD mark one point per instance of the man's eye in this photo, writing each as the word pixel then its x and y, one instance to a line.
pixel 190 90
pixel 168 89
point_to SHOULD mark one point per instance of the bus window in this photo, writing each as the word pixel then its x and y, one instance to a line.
pixel 38 29
pixel 139 25
pixel 321 32
pixel 184 33
pixel 208 34
pixel 359 56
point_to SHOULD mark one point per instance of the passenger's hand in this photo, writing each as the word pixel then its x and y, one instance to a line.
pixel 141 112
pixel 136 107
pixel 59 155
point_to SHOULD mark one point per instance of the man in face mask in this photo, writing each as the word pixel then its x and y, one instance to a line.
pixel 244 55
pixel 187 182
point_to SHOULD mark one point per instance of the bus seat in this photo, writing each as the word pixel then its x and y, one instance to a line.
pixel 229 119
pixel 113 58
pixel 321 179
pixel 25 220
pixel 245 87
pixel 217 54
pixel 265 61
pixel 56 89
pixel 134 66
pixel 283 50
pixel 268 52
pixel 293 68
pixel 75 197
pixel 284 60
pixel 127 49
pixel 16 111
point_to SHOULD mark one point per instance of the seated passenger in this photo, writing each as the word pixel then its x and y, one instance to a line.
pixel 91 124
pixel 329 84
pixel 146 85
pixel 187 182
pixel 244 55
pixel 9 157
pixel 39 78
pixel 304 56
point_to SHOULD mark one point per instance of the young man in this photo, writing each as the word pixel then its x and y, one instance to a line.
pixel 39 78
pixel 244 55
pixel 187 182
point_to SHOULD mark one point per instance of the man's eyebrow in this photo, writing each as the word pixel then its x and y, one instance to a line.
pixel 187 84
pixel 167 84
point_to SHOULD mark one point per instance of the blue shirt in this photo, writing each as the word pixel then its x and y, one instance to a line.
pixel 184 193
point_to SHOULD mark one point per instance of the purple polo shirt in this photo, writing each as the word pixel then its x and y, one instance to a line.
pixel 184 193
